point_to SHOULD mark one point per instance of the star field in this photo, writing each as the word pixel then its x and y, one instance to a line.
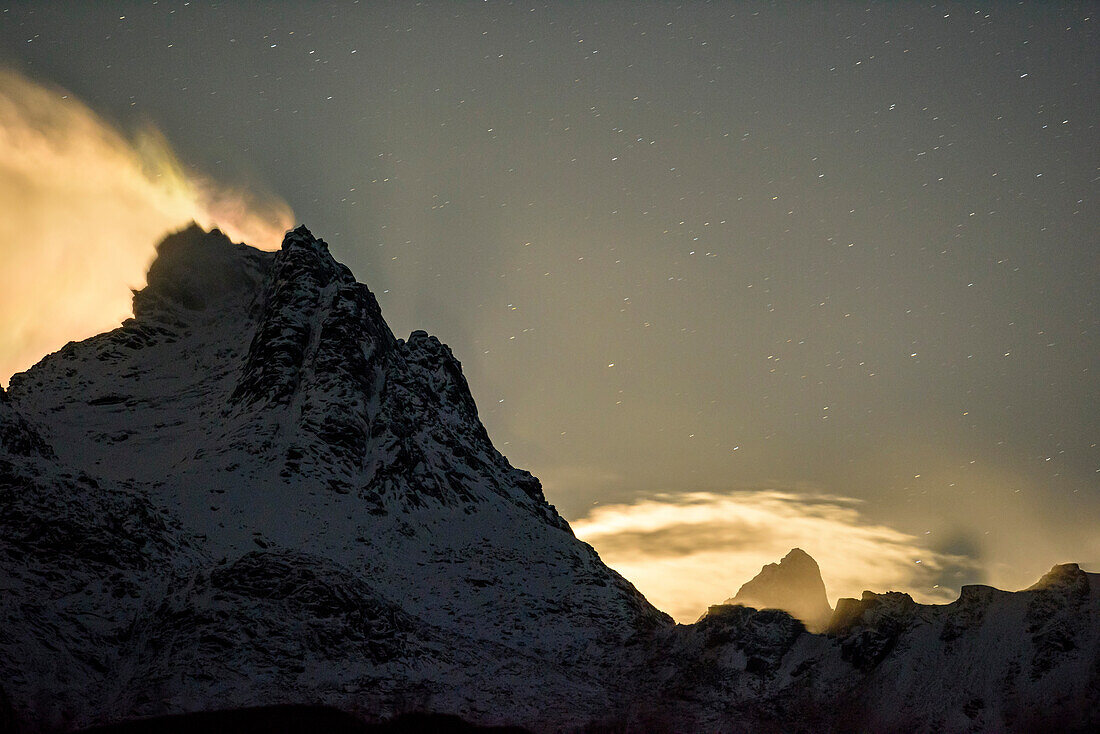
pixel 842 249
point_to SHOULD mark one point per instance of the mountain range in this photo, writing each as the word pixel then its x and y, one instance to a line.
pixel 253 493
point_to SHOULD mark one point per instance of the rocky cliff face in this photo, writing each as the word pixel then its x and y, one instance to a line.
pixel 257 492
pixel 993 661
pixel 253 493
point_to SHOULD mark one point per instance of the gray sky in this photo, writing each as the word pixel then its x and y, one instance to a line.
pixel 835 249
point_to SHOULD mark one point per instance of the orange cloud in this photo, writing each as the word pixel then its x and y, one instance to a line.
pixel 686 552
pixel 82 207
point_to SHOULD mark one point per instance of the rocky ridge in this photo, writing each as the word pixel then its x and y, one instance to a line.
pixel 253 493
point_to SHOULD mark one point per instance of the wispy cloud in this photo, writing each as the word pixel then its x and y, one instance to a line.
pixel 83 206
pixel 685 552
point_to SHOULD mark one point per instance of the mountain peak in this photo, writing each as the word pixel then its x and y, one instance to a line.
pixel 305 258
pixel 252 493
pixel 300 236
pixel 195 270
pixel 797 556
pixel 793 585
pixel 315 322
pixel 1063 576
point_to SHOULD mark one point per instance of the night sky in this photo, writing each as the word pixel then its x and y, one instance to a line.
pixel 692 256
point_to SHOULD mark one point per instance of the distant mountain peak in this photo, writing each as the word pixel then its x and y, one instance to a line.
pixel 252 493
pixel 797 555
pixel 1067 576
pixel 793 585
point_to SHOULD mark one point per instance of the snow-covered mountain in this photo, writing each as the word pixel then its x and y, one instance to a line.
pixel 793 585
pixel 253 493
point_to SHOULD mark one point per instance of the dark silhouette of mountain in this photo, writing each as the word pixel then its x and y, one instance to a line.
pixel 253 494
pixel 793 585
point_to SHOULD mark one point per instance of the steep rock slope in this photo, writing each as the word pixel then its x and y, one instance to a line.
pixel 78 555
pixel 990 661
pixel 993 661
pixel 260 402
pixel 253 493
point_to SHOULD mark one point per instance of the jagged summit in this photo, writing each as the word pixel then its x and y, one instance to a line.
pixel 285 357
pixel 194 268
pixel 302 233
pixel 311 314
pixel 793 585
pixel 301 236
pixel 300 239
pixel 259 406
pixel 253 493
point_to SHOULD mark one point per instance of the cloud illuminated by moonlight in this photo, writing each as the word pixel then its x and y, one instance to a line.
pixel 82 207
pixel 686 552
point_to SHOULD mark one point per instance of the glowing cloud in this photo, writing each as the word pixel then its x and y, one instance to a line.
pixel 686 552
pixel 82 207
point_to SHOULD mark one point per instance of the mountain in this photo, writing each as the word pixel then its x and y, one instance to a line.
pixel 992 661
pixel 253 494
pixel 793 585
pixel 252 491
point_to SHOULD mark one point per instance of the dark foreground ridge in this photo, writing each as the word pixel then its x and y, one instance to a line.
pixel 253 493
pixel 289 719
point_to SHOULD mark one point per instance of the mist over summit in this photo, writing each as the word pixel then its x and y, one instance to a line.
pixel 793 585
pixel 254 493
